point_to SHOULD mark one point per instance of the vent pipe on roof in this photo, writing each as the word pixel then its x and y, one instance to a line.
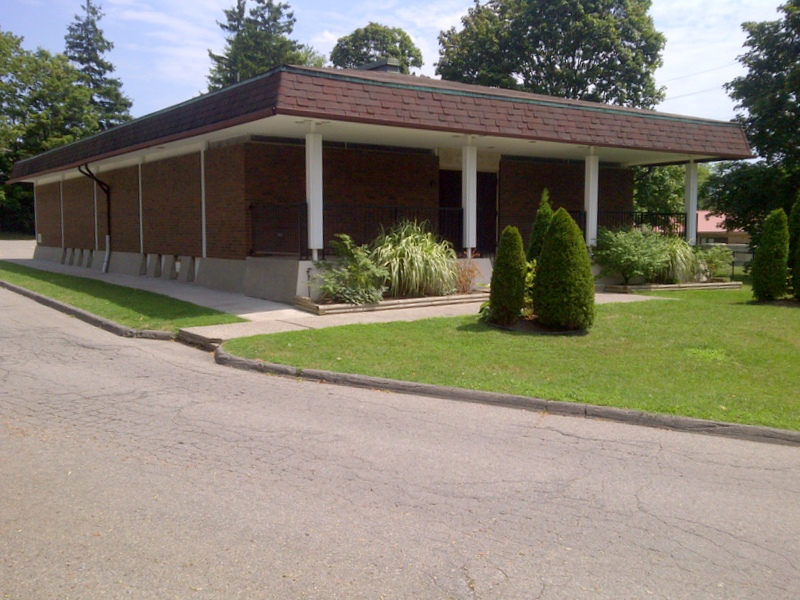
pixel 385 65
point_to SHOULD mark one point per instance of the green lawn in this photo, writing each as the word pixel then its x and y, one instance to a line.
pixel 707 354
pixel 127 306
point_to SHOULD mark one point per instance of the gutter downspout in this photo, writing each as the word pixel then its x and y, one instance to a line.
pixel 85 170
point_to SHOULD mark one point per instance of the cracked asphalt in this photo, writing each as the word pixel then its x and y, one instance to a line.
pixel 141 469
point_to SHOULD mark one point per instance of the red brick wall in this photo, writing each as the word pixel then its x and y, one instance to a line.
pixel 48 214
pixel 522 182
pixel 79 213
pixel 171 206
pixel 376 178
pixel 275 174
pixel 227 220
pixel 616 189
pixel 124 185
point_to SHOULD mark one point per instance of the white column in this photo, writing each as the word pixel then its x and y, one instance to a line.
pixel 691 203
pixel 314 193
pixel 203 198
pixel 590 194
pixel 469 196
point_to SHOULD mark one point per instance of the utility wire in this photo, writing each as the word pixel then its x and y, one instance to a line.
pixel 714 89
pixel 701 72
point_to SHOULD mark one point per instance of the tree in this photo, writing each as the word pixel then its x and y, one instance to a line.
pixel 85 47
pixel 662 189
pixel 599 50
pixel 768 97
pixel 257 41
pixel 507 287
pixel 563 293
pixel 541 222
pixel 770 263
pixel 42 105
pixel 768 92
pixel 374 42
pixel 745 193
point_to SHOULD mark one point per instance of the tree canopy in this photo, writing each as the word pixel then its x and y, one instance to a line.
pixel 43 104
pixel 86 47
pixel 374 42
pixel 598 50
pixel 257 41
pixel 769 92
pixel 767 95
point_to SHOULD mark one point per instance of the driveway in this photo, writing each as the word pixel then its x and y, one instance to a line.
pixel 135 468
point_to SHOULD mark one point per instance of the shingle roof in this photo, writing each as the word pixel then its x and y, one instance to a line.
pixel 404 101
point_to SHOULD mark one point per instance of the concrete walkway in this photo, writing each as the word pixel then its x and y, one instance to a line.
pixel 263 316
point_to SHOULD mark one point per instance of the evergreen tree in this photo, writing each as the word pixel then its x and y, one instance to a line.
pixel 563 293
pixel 257 41
pixel 770 262
pixel 794 246
pixel 86 47
pixel 507 288
pixel 544 214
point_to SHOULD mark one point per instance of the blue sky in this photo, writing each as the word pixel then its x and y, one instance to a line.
pixel 161 46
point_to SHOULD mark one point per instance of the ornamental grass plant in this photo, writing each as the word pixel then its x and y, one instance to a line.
pixel 416 261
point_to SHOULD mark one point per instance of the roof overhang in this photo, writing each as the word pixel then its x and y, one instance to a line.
pixel 386 109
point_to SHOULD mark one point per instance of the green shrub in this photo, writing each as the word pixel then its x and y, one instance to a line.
pixel 715 260
pixel 541 222
pixel 354 278
pixel 563 292
pixel 682 264
pixel 507 292
pixel 794 227
pixel 770 263
pixel 417 263
pixel 794 246
pixel 632 253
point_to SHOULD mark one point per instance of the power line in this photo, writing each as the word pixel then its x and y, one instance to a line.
pixel 701 72
pixel 714 89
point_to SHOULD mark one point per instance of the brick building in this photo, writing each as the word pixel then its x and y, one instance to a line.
pixel 243 188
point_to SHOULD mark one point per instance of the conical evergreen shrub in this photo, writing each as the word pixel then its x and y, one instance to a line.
pixel 507 292
pixel 770 263
pixel 544 214
pixel 563 293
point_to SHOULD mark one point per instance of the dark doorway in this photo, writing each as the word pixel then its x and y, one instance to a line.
pixel 450 203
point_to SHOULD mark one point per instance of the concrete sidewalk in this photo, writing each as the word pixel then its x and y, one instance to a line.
pixel 263 316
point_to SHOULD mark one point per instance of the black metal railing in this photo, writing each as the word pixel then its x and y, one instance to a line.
pixel 283 229
pixel 279 229
pixel 664 223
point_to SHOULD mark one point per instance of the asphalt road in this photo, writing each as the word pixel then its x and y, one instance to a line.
pixel 141 469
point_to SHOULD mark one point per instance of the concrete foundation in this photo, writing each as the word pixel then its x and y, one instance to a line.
pixel 269 278
pixel 221 274
pixel 279 279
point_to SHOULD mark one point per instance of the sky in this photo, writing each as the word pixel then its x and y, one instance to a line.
pixel 161 46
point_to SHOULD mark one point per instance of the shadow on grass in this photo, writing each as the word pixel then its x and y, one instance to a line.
pixel 152 305
pixel 521 327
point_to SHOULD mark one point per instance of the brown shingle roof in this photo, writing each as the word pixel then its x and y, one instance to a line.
pixel 403 101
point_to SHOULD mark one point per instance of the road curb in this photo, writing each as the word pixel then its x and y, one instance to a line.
pixel 90 318
pixel 753 433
